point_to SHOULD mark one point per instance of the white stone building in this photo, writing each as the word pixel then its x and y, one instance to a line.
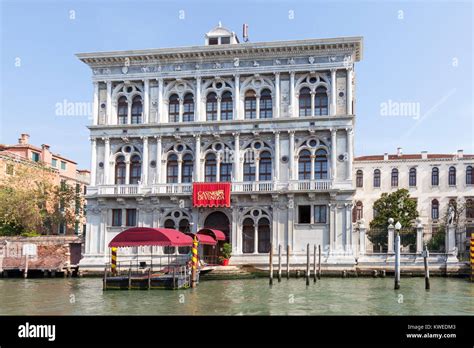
pixel 434 180
pixel 166 118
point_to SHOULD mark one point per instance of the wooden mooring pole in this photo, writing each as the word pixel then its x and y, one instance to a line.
pixel 287 262
pixel 427 268
pixel 270 265
pixel 279 263
pixel 307 265
pixel 314 264
pixel 319 262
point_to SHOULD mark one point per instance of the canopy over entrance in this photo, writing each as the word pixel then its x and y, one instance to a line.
pixel 217 234
pixel 146 236
pixel 203 239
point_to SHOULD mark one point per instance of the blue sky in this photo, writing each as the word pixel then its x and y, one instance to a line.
pixel 419 52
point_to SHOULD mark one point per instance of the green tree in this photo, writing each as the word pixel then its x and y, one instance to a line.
pixel 398 206
pixel 30 202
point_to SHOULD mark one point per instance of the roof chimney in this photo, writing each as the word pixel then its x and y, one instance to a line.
pixel 23 140
pixel 460 153
pixel 424 154
pixel 385 156
pixel 399 151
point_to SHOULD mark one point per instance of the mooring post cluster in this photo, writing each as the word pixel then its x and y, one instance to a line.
pixel 316 271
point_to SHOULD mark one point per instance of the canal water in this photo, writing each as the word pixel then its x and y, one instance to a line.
pixel 329 296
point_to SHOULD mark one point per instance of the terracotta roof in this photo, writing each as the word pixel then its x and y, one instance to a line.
pixel 409 157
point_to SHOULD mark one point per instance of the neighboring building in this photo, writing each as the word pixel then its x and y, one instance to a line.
pixel 61 169
pixel 275 119
pixel 434 180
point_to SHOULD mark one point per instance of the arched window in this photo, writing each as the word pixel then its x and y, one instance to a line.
pixel 469 209
pixel 263 235
pixel 305 102
pixel 135 169
pixel 266 107
pixel 304 165
pixel 172 169
pixel 265 167
pixel 412 177
pixel 187 168
pixel 250 105
pixel 377 178
pixel 321 101
pixel 188 108
pixel 122 110
pixel 249 166
pixel 358 211
pixel 169 249
pixel 452 176
pixel 248 236
pixel 227 106
pixel 321 165
pixel 394 177
pixel 120 169
pixel 435 176
pixel 359 178
pixel 434 209
pixel 210 168
pixel 225 171
pixel 137 109
pixel 173 108
pixel 211 107
pixel 469 176
pixel 184 227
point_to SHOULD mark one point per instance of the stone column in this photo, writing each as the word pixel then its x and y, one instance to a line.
pixel 276 160
pixel 312 157
pixel 180 169
pixel 419 236
pixel 277 95
pixel 160 117
pixel 197 101
pixel 236 164
pixel 108 115
pixel 334 154
pixel 291 217
pixel 158 159
pixel 332 226
pixel 312 103
pixel 333 92
pixel 145 162
pixel 348 244
pixel 197 159
pixel 391 234
pixel 350 152
pixel 181 109
pixel 349 90
pixel 93 161
pixel 95 106
pixel 106 161
pixel 292 94
pixel 127 171
pixel 219 108
pixel 291 153
pixel 236 115
pixel 362 233
pixel 146 101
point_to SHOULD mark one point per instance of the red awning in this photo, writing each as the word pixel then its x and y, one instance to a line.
pixel 217 234
pixel 143 236
pixel 204 238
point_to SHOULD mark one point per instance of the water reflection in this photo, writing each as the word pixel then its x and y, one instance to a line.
pixel 329 296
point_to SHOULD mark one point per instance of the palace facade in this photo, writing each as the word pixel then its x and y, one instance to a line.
pixel 273 119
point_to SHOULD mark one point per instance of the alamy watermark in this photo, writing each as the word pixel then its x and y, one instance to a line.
pixel 399 108
pixel 70 108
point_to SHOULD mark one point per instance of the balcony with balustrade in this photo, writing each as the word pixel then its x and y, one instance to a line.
pixel 185 189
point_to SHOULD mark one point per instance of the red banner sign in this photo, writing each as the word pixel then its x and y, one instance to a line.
pixel 211 194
